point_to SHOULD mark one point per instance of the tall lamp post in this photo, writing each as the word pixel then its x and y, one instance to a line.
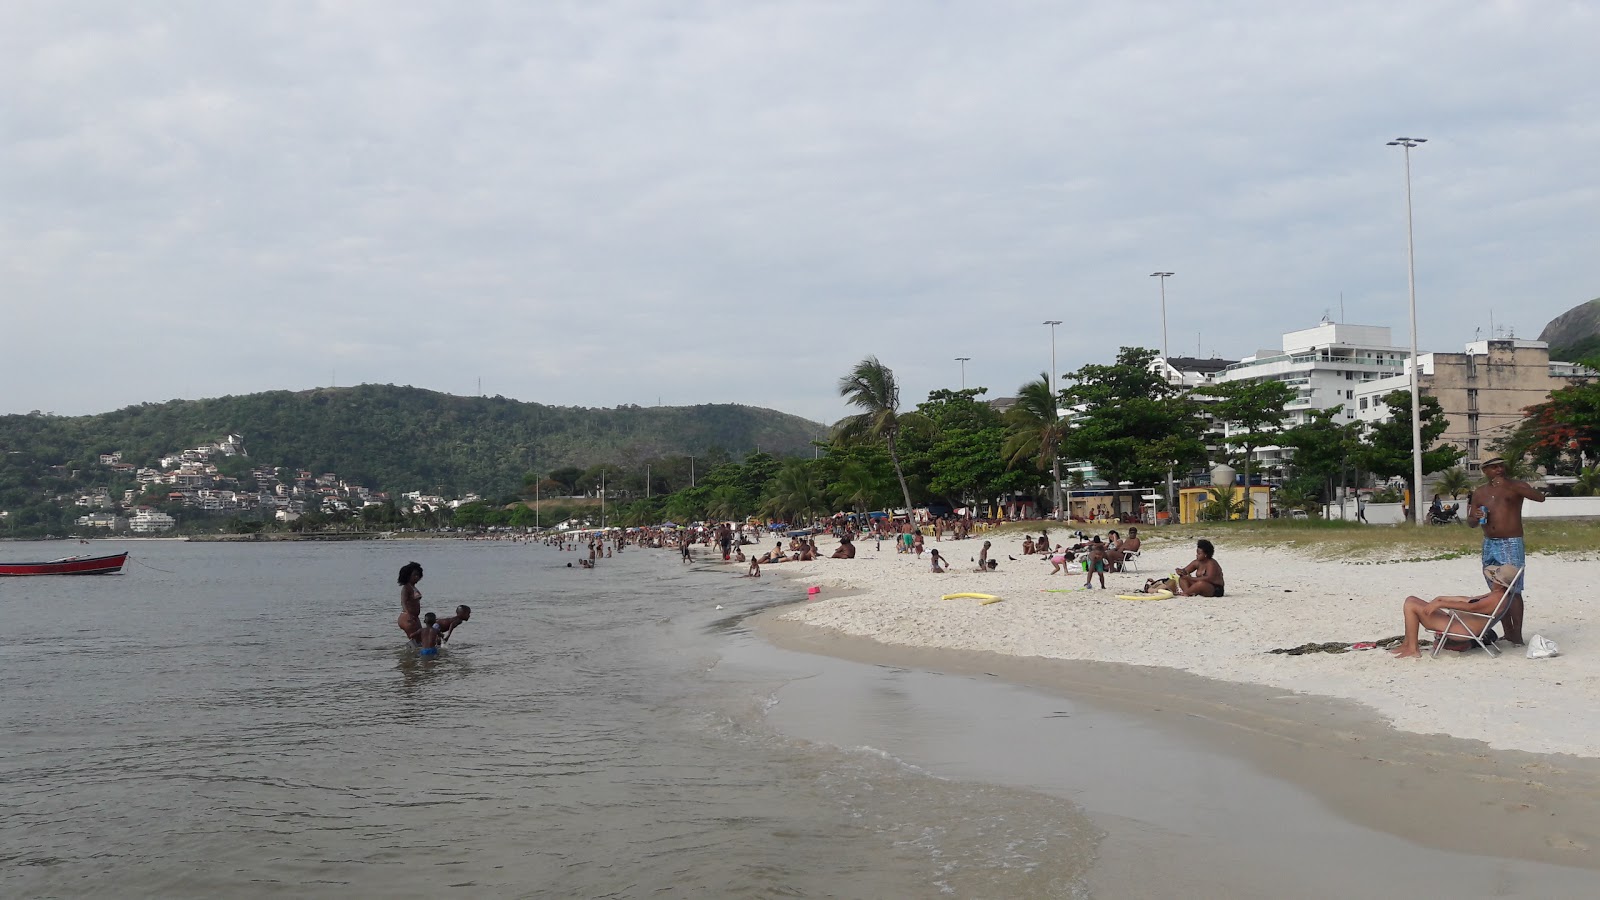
pixel 1406 143
pixel 1055 404
pixel 1163 276
pixel 963 361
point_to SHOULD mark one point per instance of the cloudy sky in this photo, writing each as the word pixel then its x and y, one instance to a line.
pixel 589 203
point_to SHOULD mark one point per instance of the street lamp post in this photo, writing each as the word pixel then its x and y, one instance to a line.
pixel 963 361
pixel 1166 365
pixel 1163 276
pixel 1055 404
pixel 1406 143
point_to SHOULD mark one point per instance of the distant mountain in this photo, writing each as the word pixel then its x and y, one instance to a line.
pixel 403 438
pixel 1575 334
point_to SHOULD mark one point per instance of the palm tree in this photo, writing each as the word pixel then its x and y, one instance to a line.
pixel 795 494
pixel 871 387
pixel 1223 505
pixel 1037 430
pixel 855 486
pixel 1453 483
pixel 1588 483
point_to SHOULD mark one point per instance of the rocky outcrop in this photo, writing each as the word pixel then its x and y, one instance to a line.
pixel 1575 333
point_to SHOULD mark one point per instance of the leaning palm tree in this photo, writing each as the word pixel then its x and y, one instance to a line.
pixel 871 387
pixel 1037 430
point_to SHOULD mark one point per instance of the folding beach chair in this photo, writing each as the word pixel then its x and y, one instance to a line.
pixel 1130 560
pixel 1474 625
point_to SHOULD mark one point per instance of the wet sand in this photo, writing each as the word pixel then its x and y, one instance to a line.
pixel 1214 788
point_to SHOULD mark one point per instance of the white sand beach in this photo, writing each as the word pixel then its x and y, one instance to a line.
pixel 1276 598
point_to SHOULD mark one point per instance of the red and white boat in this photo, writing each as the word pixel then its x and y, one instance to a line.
pixel 71 565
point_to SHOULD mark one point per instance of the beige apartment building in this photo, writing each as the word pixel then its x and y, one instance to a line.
pixel 1484 391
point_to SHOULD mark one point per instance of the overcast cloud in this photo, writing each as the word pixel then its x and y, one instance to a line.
pixel 594 204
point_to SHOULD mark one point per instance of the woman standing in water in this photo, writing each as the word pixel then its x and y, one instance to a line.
pixel 410 601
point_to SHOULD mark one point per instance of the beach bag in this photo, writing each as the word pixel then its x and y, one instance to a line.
pixel 1541 647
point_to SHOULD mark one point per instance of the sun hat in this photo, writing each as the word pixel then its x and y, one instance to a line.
pixel 1504 575
pixel 1492 461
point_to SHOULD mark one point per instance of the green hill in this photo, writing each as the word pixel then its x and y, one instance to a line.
pixel 391 438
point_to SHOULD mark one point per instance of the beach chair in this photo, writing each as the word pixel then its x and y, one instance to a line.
pixel 1474 625
pixel 1130 560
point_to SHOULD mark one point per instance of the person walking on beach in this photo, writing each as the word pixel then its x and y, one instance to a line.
pixel 1496 507
pixel 410 621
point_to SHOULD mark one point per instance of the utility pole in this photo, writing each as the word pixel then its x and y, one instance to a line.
pixel 1055 404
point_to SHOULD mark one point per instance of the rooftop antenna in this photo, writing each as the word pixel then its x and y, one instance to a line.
pixel 1341 306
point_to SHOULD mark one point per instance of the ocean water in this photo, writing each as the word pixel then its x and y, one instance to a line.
pixel 246 720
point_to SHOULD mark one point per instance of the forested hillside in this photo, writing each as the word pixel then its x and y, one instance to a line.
pixel 392 438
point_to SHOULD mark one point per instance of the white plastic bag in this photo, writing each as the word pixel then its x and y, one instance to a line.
pixel 1541 647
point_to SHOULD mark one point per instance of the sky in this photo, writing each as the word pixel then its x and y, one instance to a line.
pixel 697 201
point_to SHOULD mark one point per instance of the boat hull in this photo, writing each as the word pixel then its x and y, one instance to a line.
pixel 78 565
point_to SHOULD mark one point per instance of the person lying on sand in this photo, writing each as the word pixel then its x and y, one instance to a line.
pixel 1430 614
pixel 1201 578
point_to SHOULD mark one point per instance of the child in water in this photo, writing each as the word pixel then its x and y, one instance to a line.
pixel 429 639
pixel 755 568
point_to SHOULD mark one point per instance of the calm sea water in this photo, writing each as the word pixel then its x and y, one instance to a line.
pixel 239 720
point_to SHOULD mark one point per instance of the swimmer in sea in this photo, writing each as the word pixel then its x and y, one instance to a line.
pixel 448 624
pixel 428 640
pixel 410 621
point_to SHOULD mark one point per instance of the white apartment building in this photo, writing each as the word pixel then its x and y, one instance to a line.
pixel 146 521
pixel 1326 365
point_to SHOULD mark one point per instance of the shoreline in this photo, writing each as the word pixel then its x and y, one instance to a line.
pixel 1414 786
pixel 1277 598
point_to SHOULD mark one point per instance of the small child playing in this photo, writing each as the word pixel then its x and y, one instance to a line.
pixel 938 561
pixel 429 638
pixel 755 568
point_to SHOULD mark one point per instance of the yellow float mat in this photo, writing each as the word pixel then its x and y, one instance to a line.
pixel 1158 595
pixel 973 596
pixel 992 600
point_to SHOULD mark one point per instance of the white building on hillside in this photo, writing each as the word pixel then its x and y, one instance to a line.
pixel 147 521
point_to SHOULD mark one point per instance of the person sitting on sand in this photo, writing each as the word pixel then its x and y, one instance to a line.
pixel 1420 614
pixel 939 566
pixel 1201 578
pixel 847 549
pixel 1027 545
pixel 755 568
pixel 738 554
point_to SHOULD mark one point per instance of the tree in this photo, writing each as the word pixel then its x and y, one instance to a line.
pixel 871 387
pixel 1588 483
pixel 1036 429
pixel 795 494
pixel 1256 407
pixel 1453 483
pixel 1133 426
pixel 1322 446
pixel 1386 450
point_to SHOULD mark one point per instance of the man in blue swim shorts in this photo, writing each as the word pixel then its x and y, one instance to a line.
pixel 1497 508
